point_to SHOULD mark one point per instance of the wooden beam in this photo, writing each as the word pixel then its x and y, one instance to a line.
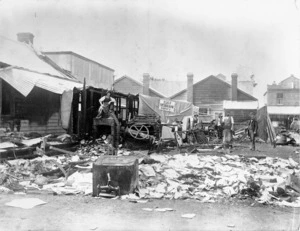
pixel 0 101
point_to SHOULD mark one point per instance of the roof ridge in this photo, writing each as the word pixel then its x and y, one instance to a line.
pixel 217 79
pixel 140 83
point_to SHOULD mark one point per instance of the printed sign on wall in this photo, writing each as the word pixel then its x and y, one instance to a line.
pixel 166 105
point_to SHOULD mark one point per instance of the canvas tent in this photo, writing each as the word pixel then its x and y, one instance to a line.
pixel 168 110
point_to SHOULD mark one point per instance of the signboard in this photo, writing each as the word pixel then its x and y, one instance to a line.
pixel 166 105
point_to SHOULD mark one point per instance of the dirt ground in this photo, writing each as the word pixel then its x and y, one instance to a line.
pixel 87 213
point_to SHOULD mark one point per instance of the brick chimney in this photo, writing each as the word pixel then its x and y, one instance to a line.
pixel 146 83
pixel 25 37
pixel 189 89
pixel 234 84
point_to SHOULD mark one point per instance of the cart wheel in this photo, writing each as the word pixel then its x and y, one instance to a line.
pixel 136 130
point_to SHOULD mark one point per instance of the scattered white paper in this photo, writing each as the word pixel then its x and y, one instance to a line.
pixel 26 203
pixel 188 215
pixel 147 209
pixel 163 209
pixel 142 201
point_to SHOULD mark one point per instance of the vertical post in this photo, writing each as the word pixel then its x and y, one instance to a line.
pixel 84 99
pixel 127 108
pixel 1 101
pixel 79 113
pixel 91 113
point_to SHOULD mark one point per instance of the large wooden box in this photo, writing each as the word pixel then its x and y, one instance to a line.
pixel 123 171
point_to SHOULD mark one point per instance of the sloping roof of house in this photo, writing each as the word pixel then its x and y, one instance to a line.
pixel 167 87
pixel 141 84
pixel 290 77
pixel 28 68
pixel 77 55
pixel 225 83
pixel 22 55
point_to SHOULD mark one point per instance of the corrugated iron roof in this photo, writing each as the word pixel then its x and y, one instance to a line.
pixel 228 104
pixel 24 81
pixel 284 110
pixel 22 55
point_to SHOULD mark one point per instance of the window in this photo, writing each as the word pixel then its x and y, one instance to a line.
pixel 203 111
pixel 279 95
pixel 279 98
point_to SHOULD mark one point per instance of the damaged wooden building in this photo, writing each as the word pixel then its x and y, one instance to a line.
pixel 31 85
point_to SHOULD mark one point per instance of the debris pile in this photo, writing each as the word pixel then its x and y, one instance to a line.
pixel 67 174
pixel 64 174
pixel 288 137
pixel 207 178
pixel 211 178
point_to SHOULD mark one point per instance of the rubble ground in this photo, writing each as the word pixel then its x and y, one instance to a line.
pixel 195 191
pixel 87 213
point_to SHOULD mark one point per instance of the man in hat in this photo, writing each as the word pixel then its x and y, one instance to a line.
pixel 105 104
pixel 252 130
pixel 219 126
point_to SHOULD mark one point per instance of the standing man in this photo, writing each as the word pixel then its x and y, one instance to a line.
pixel 105 104
pixel 252 130
pixel 219 126
pixel 228 131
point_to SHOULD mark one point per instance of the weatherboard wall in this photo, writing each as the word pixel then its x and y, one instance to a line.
pixel 96 75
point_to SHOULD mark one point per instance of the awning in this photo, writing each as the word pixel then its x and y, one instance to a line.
pixel 284 110
pixel 244 105
pixel 24 81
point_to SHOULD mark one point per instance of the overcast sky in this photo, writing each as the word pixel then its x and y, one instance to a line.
pixel 167 38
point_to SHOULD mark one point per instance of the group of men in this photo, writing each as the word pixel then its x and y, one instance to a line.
pixel 225 129
pixel 224 126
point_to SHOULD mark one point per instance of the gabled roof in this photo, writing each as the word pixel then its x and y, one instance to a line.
pixel 140 84
pixel 291 77
pixel 223 82
pixel 77 55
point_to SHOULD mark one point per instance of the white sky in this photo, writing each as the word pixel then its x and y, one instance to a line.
pixel 167 38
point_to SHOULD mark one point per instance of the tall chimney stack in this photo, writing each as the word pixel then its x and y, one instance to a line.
pixel 25 37
pixel 189 89
pixel 146 83
pixel 234 87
